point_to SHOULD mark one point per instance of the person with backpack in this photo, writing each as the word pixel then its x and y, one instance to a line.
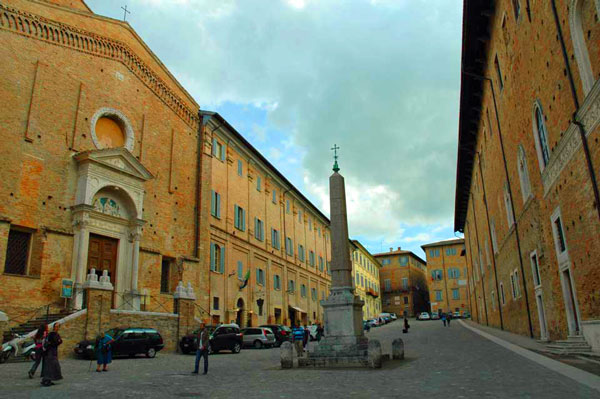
pixel 38 339
pixel 50 366
pixel 444 319
pixel 103 351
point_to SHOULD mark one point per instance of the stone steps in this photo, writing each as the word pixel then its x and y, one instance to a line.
pixel 573 345
pixel 33 325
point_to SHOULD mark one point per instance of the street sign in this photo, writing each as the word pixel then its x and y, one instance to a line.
pixel 66 290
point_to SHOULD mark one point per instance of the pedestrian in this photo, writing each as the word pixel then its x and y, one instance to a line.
pixel 406 325
pixel 298 338
pixel 50 365
pixel 306 336
pixel 444 319
pixel 202 351
pixel 319 332
pixel 103 351
pixel 449 317
pixel 38 339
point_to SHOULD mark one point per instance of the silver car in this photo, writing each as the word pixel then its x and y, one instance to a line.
pixel 258 337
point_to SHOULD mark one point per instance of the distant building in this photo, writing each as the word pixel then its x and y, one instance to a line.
pixel 447 278
pixel 365 270
pixel 403 282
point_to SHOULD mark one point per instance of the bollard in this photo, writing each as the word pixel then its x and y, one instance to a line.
pixel 398 349
pixel 374 354
pixel 287 355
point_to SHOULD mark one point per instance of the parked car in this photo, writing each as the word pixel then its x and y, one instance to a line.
pixel 282 333
pixel 127 342
pixel 258 337
pixel 393 316
pixel 386 317
pixel 222 337
pixel 366 325
pixel 456 315
pixel 435 316
pixel 374 322
pixel 466 314
pixel 423 316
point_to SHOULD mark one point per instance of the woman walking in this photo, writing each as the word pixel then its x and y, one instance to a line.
pixel 103 351
pixel 50 365
pixel 38 339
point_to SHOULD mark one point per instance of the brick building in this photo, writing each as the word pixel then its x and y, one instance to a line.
pixel 365 271
pixel 403 282
pixel 447 278
pixel 109 169
pixel 528 161
pixel 261 224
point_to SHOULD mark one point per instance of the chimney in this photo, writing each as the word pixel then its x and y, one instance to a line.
pixel 391 249
pixel 399 248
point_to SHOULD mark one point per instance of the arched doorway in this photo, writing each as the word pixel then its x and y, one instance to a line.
pixel 240 313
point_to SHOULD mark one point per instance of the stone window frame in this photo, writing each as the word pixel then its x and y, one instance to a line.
pixel 24 230
pixel 502 296
pixel 115 114
pixel 535 269
pixel 539 146
pixel 580 50
pixel 562 256
pixel 523 170
pixel 510 217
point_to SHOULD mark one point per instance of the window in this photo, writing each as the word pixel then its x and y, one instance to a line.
pixel 455 293
pixel 289 246
pixel 502 298
pixel 494 240
pixel 453 273
pixel 387 284
pixel 215 204
pixel 405 300
pixel 512 286
pixel 216 303
pixel 291 286
pixel 311 258
pixel 217 258
pixel 287 206
pixel 559 235
pixel 405 283
pixel 274 199
pixel 438 295
pixel 258 183
pixel 321 265
pixel 276 282
pixel 362 281
pixel 17 252
pixel 313 294
pixel 450 251
pixel 523 174
pixel 403 260
pixel 433 253
pixel 535 269
pixel 498 73
pixel 508 206
pixel 357 279
pixel 541 136
pixel 240 270
pixel 303 291
pixel 299 216
pixel 260 276
pixel 517 288
pixel 165 275
pixel 240 168
pixel 218 150
pixel 329 267
pixel 301 252
pixel 259 229
pixel 239 216
pixel 309 224
pixel 437 275
pixel 322 295
pixel 275 239
pixel 516 8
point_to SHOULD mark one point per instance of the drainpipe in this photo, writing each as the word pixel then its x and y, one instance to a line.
pixel 581 128
pixel 510 195
pixel 487 322
pixel 487 215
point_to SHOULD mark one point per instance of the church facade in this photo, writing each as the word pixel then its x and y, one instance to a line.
pixel 108 174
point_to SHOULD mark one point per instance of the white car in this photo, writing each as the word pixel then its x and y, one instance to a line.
pixel 393 316
pixel 424 316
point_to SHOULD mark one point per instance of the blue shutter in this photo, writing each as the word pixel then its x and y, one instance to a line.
pixel 213 205
pixel 258 276
pixel 243 220
pixel 214 147
pixel 262 231
pixel 240 269
pixel 256 231
pixel 236 219
pixel 223 151
pixel 212 257
pixel 222 260
pixel 240 170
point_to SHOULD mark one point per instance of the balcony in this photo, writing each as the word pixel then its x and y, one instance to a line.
pixel 372 292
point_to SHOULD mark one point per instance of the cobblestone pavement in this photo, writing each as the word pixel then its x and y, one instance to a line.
pixel 440 362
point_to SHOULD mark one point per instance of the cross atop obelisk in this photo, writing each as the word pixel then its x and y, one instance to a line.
pixel 125 12
pixel 336 168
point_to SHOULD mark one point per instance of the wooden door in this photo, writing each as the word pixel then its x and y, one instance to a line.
pixel 102 255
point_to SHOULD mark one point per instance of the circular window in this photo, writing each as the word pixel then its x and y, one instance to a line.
pixel 110 133
pixel 111 129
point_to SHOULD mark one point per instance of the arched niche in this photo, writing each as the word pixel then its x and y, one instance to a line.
pixel 580 49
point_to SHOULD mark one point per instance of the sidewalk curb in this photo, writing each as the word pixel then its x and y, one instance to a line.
pixel 581 376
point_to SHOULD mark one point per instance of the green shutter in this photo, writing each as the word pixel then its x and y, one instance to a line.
pixel 236 219
pixel 214 147
pixel 223 152
pixel 218 205
pixel 243 220
pixel 222 259
pixel 240 269
pixel 212 257
pixel 213 205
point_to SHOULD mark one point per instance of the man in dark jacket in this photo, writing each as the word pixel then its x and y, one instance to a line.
pixel 202 351
pixel 50 365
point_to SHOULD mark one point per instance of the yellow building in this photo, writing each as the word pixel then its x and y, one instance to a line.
pixel 448 276
pixel 269 246
pixel 365 270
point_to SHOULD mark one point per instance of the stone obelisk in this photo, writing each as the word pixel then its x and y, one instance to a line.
pixel 344 344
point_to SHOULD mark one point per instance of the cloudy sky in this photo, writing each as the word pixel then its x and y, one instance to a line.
pixel 380 78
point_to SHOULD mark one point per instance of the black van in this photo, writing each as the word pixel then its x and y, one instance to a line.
pixel 128 342
pixel 222 337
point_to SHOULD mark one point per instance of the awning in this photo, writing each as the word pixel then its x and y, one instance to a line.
pixel 297 309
